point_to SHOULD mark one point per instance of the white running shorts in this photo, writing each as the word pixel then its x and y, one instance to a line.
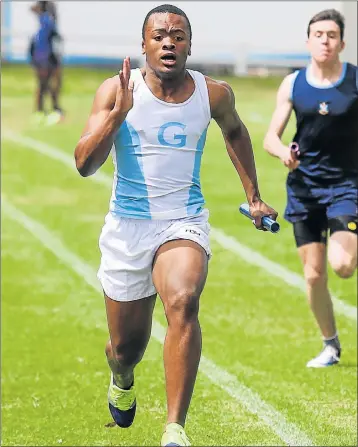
pixel 128 247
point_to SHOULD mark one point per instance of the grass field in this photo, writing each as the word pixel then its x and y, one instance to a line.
pixel 258 333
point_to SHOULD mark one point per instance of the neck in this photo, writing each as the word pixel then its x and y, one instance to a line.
pixel 165 85
pixel 330 71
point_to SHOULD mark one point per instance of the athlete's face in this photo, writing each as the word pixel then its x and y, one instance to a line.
pixel 324 41
pixel 166 44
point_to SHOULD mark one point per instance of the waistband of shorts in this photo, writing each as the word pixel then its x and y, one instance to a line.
pixel 204 212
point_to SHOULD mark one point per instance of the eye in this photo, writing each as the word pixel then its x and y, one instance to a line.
pixel 179 38
pixel 158 38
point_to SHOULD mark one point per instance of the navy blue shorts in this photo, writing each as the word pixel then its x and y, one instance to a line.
pixel 305 200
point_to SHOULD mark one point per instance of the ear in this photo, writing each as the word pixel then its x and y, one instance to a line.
pixel 343 45
pixel 189 52
pixel 143 47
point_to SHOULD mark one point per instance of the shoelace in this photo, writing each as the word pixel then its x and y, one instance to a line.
pixel 123 398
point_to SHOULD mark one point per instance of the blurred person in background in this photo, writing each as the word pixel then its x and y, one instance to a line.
pixel 156 234
pixel 45 55
pixel 322 185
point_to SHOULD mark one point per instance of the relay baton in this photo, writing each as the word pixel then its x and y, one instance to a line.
pixel 295 149
pixel 267 222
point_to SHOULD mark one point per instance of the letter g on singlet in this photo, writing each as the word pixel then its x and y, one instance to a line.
pixel 164 134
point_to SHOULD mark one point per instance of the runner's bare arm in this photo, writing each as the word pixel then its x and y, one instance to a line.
pixel 97 138
pixel 272 142
pixel 236 136
pixel 113 100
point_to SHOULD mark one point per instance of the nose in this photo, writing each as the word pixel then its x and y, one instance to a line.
pixel 168 44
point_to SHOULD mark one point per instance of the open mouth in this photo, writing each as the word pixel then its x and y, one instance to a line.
pixel 169 59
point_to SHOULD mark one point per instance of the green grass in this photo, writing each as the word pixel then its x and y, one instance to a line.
pixel 54 373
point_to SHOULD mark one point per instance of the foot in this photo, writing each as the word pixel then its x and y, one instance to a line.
pixel 174 435
pixel 328 357
pixel 122 404
pixel 54 117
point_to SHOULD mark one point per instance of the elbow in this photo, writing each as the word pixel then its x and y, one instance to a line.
pixel 82 166
pixel 83 172
pixel 267 143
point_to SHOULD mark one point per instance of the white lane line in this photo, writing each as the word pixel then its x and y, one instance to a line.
pixel 275 269
pixel 251 400
pixel 227 242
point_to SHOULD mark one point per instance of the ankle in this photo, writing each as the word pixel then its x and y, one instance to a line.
pixel 124 382
pixel 332 341
pixel 174 426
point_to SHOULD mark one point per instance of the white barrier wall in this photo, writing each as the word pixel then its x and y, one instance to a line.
pixel 222 31
pixel 350 11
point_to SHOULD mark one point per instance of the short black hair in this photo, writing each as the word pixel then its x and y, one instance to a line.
pixel 328 14
pixel 43 6
pixel 165 9
pixel 49 7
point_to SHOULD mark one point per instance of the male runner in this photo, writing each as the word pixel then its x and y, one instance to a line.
pixel 156 235
pixel 322 185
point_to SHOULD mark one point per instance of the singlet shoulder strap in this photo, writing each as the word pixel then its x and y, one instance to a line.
pixel 201 85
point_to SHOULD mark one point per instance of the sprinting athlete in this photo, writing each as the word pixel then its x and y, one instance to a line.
pixel 322 183
pixel 156 235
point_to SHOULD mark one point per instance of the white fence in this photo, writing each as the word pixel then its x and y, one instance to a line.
pixel 232 33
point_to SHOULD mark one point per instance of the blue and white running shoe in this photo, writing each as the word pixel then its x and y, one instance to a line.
pixel 328 357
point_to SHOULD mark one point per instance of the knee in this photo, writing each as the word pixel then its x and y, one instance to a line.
pixel 43 86
pixel 345 266
pixel 182 306
pixel 342 255
pixel 126 353
pixel 315 277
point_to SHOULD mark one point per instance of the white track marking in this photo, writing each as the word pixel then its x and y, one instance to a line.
pixel 287 431
pixel 227 242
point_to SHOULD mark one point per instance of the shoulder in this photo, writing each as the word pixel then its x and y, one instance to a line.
pixel 285 90
pixel 108 86
pixel 221 95
pixel 351 68
pixel 219 89
pixel 290 77
pixel 106 93
pixel 289 80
